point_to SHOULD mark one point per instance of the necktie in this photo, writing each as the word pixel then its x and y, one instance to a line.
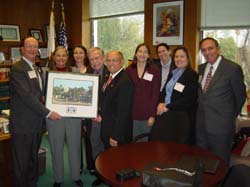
pixel 107 83
pixel 208 79
pixel 36 69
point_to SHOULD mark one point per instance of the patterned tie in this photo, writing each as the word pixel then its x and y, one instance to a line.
pixel 208 79
pixel 107 83
pixel 36 69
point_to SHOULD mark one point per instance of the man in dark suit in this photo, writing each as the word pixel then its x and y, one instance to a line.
pixel 164 63
pixel 220 98
pixel 93 126
pixel 116 103
pixel 27 114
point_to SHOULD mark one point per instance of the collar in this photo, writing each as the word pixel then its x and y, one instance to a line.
pixel 99 71
pixel 114 75
pixel 166 65
pixel 30 63
pixel 217 62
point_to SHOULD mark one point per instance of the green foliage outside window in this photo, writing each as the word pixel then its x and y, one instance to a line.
pixel 121 33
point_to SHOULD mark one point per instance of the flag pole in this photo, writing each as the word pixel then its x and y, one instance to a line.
pixel 51 37
pixel 63 15
pixel 62 35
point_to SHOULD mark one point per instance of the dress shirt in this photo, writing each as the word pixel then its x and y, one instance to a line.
pixel 177 73
pixel 164 73
pixel 114 75
pixel 215 66
pixel 32 64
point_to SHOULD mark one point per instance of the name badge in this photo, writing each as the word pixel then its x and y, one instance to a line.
pixel 32 74
pixel 179 87
pixel 148 76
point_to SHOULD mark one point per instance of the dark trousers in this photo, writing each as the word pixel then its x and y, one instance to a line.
pixel 89 157
pixel 24 149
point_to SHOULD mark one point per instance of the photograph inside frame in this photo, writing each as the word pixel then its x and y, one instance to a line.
pixel 72 94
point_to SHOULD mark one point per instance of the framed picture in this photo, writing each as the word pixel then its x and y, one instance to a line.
pixel 43 53
pixel 36 33
pixel 10 32
pixel 168 22
pixel 15 53
pixel 72 94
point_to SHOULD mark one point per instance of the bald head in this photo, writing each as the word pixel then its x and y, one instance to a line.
pixel 114 61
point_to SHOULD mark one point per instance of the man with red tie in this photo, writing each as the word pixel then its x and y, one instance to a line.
pixel 116 103
pixel 220 98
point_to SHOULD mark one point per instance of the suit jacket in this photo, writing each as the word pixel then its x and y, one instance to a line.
pixel 27 111
pixel 222 102
pixel 102 79
pixel 177 124
pixel 157 62
pixel 116 109
pixel 185 100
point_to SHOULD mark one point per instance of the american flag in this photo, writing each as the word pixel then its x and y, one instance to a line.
pixel 62 37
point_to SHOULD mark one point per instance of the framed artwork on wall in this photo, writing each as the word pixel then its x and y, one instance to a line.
pixel 36 33
pixel 168 21
pixel 10 32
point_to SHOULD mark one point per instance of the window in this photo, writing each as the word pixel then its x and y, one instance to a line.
pixel 119 26
pixel 235 45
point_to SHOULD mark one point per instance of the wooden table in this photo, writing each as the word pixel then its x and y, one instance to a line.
pixel 138 155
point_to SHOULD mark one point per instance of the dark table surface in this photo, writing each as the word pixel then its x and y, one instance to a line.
pixel 138 155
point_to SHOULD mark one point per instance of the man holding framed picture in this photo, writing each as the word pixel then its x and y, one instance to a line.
pixel 27 114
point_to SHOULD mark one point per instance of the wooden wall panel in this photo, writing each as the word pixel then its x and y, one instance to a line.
pixel 35 14
pixel 191 26
pixel 73 16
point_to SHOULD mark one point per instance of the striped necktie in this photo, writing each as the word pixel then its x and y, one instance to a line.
pixel 107 83
pixel 208 79
pixel 36 69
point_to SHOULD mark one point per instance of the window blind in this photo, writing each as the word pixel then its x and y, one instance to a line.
pixel 225 13
pixel 104 8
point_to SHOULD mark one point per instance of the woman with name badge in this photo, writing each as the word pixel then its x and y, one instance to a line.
pixel 64 131
pixel 176 110
pixel 146 78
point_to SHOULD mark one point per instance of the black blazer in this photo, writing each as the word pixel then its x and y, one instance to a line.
pixel 116 109
pixel 185 100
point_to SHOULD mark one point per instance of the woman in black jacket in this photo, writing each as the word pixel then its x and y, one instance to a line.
pixel 176 110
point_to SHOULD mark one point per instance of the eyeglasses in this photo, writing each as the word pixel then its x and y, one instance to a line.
pixel 31 46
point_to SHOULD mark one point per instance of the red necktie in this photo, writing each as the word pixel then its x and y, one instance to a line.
pixel 107 83
pixel 208 79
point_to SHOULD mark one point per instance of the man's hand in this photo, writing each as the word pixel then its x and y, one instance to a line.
pixel 98 119
pixel 54 116
pixel 113 142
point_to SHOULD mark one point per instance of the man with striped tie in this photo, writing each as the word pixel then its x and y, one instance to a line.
pixel 221 95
